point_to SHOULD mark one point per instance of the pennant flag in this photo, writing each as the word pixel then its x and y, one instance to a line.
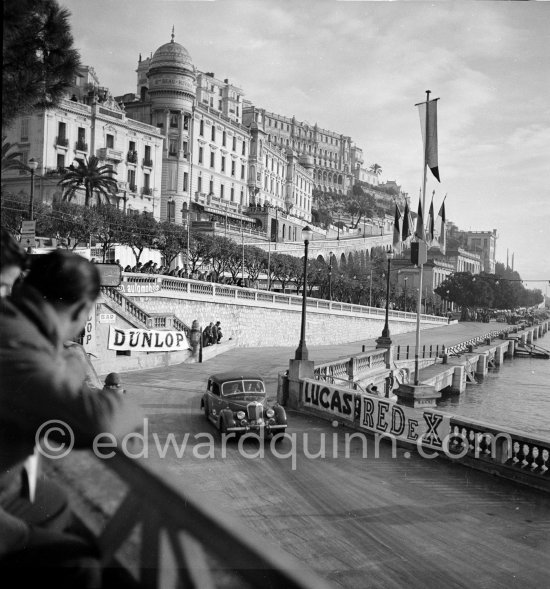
pixel 430 228
pixel 440 227
pixel 397 229
pixel 407 229
pixel 419 232
pixel 428 110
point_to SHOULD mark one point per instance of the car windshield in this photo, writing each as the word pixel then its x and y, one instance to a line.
pixel 243 388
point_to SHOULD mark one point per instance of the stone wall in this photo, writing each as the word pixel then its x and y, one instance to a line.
pixel 257 325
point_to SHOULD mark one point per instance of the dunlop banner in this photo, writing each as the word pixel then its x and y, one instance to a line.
pixel 144 340
pixel 382 416
pixel 324 397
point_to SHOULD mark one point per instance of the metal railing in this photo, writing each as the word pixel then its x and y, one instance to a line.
pixel 176 530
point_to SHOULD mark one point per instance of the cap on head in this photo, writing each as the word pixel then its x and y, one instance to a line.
pixel 112 379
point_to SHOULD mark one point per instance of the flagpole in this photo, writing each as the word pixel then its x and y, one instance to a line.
pixel 421 265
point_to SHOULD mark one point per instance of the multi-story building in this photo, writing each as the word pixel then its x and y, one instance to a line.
pixel 88 124
pixel 484 243
pixel 330 151
pixel 462 260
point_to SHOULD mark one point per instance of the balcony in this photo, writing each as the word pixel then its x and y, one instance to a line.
pixel 132 157
pixel 81 146
pixel 147 163
pixel 62 142
pixel 133 188
pixel 108 153
pixel 122 186
pixel 147 191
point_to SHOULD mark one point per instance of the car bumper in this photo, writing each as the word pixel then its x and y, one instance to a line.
pixel 265 429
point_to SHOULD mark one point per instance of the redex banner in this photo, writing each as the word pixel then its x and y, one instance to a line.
pixel 334 400
pixel 145 340
pixel 382 416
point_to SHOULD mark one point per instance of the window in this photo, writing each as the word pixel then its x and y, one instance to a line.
pixel 109 141
pixel 211 188
pixel 212 158
pixel 211 101
pixel 200 155
pixel 62 131
pixel 223 163
pixel 201 128
pixel 131 178
pixel 242 197
pixel 147 181
pixel 234 144
pixel 185 181
pixel 132 145
pixel 213 133
pixel 171 211
pixel 244 148
pixel 60 160
pixel 186 123
pixel 233 168
pixel 219 104
pixel 185 150
pixel 24 129
pixel 224 138
pixel 232 194
pixel 242 172
pixel 173 147
pixel 199 184
pixel 174 120
pixel 221 190
pixel 147 152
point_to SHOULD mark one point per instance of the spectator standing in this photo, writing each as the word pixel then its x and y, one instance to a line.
pixel 219 331
pixel 214 329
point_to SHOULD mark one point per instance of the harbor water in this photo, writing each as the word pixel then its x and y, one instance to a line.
pixel 516 395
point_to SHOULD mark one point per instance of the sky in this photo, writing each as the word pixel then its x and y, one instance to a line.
pixel 358 68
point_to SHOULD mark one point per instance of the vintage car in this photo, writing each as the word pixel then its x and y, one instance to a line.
pixel 237 402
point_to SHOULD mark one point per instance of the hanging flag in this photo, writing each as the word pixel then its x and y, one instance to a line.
pixel 440 227
pixel 419 232
pixel 397 229
pixel 430 228
pixel 429 134
pixel 407 229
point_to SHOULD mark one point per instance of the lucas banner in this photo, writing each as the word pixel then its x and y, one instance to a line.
pixel 382 416
pixel 323 397
pixel 145 340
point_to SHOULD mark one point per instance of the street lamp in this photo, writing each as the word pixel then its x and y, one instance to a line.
pixel 301 351
pixel 406 306
pixel 32 164
pixel 385 340
pixel 330 276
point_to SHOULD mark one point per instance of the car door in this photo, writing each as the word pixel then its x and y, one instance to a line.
pixel 215 400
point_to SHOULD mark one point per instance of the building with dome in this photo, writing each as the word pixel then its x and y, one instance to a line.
pixel 215 167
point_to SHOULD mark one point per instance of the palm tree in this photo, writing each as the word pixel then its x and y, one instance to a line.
pixel 376 169
pixel 91 176
pixel 11 161
pixel 39 59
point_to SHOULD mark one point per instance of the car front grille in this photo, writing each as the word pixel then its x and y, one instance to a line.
pixel 254 411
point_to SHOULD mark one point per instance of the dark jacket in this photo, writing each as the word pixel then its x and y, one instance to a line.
pixel 42 381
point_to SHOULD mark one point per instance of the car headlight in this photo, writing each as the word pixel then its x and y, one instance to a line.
pixel 270 413
pixel 240 414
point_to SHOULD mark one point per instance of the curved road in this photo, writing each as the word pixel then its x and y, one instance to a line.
pixel 375 521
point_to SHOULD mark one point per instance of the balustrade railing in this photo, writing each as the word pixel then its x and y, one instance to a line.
pixel 352 368
pixel 186 541
pixel 174 284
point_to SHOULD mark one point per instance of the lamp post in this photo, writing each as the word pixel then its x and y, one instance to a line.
pixel 370 289
pixel 301 350
pixel 330 276
pixel 32 164
pixel 406 306
pixel 385 340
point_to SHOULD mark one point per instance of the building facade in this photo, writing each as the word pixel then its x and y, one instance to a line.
pixel 78 129
pixel 484 243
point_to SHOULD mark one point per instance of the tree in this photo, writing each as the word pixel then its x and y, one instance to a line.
pixel 285 268
pixel 171 240
pixel 467 291
pixel 199 252
pixel 140 232
pixel 69 223
pixel 219 250
pixel 93 177
pixel 110 227
pixel 39 60
pixel 11 160
pixel 375 169
pixel 255 260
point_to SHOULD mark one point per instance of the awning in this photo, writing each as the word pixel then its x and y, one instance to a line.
pixel 222 212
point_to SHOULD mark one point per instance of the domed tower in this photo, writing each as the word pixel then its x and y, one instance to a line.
pixel 172 91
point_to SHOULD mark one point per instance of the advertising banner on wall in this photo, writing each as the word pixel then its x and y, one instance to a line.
pixel 328 398
pixel 145 340
pixel 382 416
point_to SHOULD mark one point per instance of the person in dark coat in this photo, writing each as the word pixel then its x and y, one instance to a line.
pixel 43 381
